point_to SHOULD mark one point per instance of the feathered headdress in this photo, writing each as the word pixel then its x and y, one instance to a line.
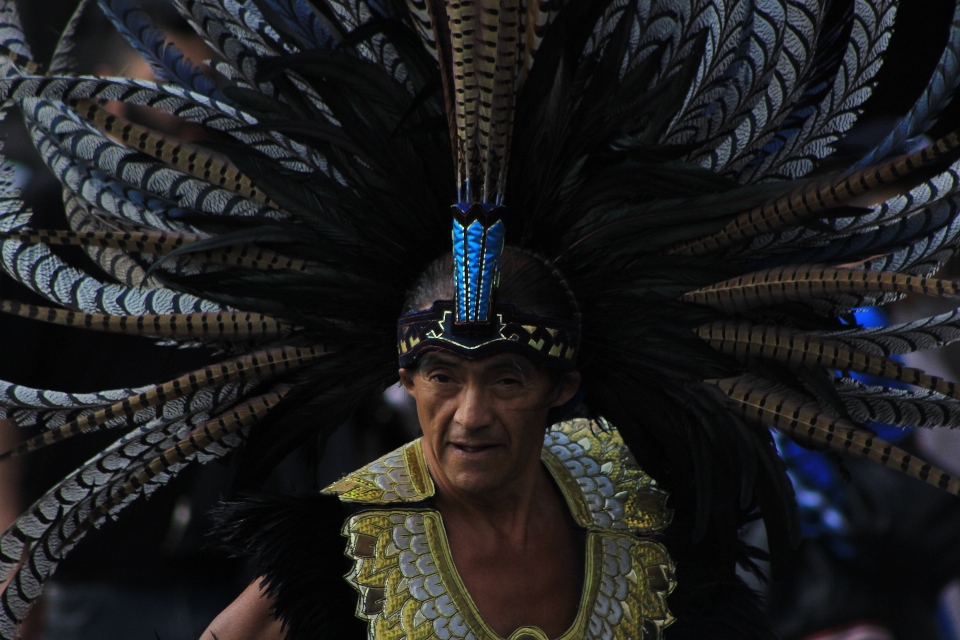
pixel 481 67
pixel 666 156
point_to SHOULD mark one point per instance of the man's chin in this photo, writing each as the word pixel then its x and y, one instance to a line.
pixel 478 482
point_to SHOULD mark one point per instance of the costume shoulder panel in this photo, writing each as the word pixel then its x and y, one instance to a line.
pixel 598 476
pixel 601 480
pixel 399 476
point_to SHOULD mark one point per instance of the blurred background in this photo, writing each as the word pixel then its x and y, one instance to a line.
pixel 881 553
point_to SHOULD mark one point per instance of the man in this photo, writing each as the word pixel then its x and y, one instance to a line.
pixel 519 524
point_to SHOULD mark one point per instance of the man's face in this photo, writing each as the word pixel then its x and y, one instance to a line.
pixel 483 421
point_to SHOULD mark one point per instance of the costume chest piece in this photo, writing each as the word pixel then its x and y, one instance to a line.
pixel 409 587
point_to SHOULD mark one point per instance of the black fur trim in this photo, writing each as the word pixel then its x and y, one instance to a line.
pixel 725 610
pixel 295 543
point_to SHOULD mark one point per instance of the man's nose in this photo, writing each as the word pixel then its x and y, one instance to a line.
pixel 473 412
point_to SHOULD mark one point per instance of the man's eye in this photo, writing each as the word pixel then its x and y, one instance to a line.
pixel 442 378
pixel 509 381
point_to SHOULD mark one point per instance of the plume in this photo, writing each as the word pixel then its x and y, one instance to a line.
pixel 674 160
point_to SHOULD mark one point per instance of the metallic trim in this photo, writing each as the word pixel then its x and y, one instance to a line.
pixel 409 586
pixel 401 476
pixel 601 480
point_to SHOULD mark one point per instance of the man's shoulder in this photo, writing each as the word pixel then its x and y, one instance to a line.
pixel 400 476
pixel 601 481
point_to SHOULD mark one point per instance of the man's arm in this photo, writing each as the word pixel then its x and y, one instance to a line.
pixel 249 617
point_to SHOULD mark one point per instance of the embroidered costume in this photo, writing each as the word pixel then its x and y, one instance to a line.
pixel 405 573
pixel 673 163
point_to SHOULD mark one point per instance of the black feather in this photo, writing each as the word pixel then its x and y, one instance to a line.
pixel 295 544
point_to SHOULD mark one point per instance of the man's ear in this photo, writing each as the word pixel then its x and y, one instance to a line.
pixel 568 388
pixel 406 379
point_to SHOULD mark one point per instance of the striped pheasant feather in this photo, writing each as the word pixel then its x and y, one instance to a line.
pixel 58 520
pixel 485 37
pixel 158 243
pixel 794 348
pixel 201 439
pixel 120 265
pixel 813 281
pixel 191 158
pixel 811 425
pixel 257 364
pixel 815 199
pixel 200 326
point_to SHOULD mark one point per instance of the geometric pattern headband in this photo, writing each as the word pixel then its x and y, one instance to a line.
pixel 545 341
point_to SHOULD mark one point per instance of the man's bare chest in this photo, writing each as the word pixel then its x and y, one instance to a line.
pixel 540 585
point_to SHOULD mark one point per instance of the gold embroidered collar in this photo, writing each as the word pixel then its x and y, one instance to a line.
pixel 409 587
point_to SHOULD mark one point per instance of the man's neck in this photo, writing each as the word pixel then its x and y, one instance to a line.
pixel 507 513
pixel 517 551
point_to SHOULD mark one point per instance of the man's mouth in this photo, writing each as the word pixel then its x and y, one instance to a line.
pixel 474 449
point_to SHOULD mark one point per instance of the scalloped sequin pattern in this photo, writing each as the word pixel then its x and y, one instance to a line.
pixel 409 588
pixel 401 476
pixel 601 479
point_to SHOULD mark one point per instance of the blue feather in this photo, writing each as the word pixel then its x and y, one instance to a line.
pixel 301 22
pixel 886 238
pixel 166 58
pixel 11 37
pixel 11 33
pixel 936 96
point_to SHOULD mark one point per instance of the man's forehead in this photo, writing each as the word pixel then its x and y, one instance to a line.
pixel 446 358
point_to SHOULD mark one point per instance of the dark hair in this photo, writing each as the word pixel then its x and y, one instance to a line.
pixel 527 281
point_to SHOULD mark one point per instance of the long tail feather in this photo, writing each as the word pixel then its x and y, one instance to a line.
pixel 935 97
pixel 185 156
pixel 259 364
pixel 201 438
pixel 926 333
pixel 792 347
pixel 119 264
pixel 195 326
pixel 818 198
pixel 803 282
pixel 811 425
pixel 39 540
pixel 166 59
pixel 159 243
pixel 898 407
